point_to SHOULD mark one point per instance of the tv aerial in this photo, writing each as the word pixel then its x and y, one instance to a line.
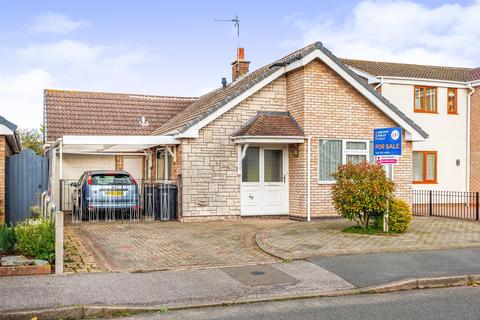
pixel 236 24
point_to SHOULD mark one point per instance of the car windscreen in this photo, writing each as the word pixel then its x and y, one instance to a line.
pixel 111 179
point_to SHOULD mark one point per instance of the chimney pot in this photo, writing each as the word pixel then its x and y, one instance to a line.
pixel 239 66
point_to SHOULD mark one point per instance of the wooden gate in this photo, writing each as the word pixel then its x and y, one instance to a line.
pixel 26 178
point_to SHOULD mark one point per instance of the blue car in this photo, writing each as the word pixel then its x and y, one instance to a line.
pixel 105 194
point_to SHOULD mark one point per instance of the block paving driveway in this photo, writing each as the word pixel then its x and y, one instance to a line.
pixel 147 246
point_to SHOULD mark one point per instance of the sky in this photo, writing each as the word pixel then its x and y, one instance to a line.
pixel 175 48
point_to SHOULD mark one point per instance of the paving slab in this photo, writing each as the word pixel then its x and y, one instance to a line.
pixel 259 275
pixel 379 268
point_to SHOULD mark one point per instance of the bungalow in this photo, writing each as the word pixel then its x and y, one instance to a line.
pixel 264 144
pixel 9 144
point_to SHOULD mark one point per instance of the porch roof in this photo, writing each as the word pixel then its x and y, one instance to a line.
pixel 113 144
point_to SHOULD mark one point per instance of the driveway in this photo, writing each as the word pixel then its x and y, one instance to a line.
pixel 146 246
pixel 325 237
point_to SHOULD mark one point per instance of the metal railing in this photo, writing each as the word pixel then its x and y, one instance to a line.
pixel 449 204
pixel 148 200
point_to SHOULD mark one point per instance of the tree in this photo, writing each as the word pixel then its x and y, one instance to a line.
pixel 361 192
pixel 32 139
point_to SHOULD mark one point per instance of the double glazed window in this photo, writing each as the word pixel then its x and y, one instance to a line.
pixel 164 164
pixel 272 165
pixel 332 153
pixel 425 99
pixel 452 101
pixel 424 167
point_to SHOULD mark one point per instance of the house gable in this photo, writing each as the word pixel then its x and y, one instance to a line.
pixel 316 51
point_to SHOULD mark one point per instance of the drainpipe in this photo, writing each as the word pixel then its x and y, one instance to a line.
pixel 467 160
pixel 379 85
pixel 309 139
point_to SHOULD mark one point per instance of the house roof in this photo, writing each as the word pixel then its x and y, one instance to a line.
pixel 213 101
pixel 94 113
pixel 270 124
pixel 474 74
pixel 404 70
pixel 8 124
pixel 14 138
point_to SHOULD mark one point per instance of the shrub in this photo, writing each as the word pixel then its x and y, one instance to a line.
pixel 361 192
pixel 399 216
pixel 36 238
pixel 7 239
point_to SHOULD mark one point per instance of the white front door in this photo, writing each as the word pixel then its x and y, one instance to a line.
pixel 264 188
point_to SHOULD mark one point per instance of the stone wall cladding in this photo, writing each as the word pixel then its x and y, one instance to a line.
pixel 475 141
pixel 3 160
pixel 334 109
pixel 210 181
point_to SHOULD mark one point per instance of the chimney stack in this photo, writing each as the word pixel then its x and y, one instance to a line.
pixel 239 66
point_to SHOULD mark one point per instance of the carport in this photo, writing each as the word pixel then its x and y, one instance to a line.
pixel 71 155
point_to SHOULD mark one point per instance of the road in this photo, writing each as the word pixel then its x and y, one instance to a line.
pixel 451 303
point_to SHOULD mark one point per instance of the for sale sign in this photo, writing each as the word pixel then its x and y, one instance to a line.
pixel 387 142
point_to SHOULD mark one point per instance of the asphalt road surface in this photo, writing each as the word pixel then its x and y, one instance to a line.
pixel 451 303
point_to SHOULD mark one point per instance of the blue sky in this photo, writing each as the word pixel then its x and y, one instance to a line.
pixel 176 48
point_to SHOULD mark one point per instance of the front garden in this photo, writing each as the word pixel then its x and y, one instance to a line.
pixel 363 194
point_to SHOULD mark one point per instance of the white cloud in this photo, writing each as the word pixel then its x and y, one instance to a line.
pixel 58 23
pixel 21 97
pixel 402 31
pixel 66 64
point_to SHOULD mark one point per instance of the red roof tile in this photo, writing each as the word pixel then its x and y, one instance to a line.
pixel 94 113
pixel 270 124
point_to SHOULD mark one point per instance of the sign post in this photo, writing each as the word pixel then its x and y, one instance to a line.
pixel 387 148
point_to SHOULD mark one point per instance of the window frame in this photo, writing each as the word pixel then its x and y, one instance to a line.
pixel 167 162
pixel 455 90
pixel 425 180
pixel 345 152
pixel 424 110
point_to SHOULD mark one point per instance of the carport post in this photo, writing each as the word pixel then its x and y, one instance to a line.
pixel 59 242
pixel 61 160
pixel 309 139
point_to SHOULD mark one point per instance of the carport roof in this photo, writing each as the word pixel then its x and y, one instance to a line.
pixel 113 144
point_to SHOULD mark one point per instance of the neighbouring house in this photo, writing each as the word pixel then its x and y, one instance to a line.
pixel 445 101
pixel 264 144
pixel 9 144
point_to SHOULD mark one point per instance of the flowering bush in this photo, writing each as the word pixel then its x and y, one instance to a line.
pixel 36 238
pixel 399 216
pixel 361 192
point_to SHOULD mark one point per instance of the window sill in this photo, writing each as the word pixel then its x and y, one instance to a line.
pixel 452 113
pixel 424 182
pixel 429 112
pixel 326 182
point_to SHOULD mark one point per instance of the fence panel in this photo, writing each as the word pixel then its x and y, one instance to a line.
pixel 449 204
pixel 26 179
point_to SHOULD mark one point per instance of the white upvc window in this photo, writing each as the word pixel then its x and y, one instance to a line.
pixel 334 152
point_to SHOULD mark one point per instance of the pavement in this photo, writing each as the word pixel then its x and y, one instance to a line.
pixel 167 288
pixel 434 304
pixel 304 240
pixel 321 276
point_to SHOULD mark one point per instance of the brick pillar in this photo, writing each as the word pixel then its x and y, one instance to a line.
pixel 3 161
pixel 475 141
pixel 118 162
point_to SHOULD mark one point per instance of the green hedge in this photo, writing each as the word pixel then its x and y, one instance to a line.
pixel 36 238
pixel 8 239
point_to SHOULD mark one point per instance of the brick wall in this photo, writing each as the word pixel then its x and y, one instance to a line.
pixel 475 141
pixel 323 103
pixel 332 109
pixel 211 183
pixel 3 151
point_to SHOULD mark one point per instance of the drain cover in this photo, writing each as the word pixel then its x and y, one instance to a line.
pixel 259 275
